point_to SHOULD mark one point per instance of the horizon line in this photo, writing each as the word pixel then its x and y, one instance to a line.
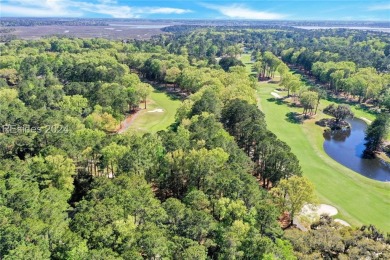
pixel 195 19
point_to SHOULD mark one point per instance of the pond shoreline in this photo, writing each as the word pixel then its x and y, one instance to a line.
pixel 381 155
pixel 347 147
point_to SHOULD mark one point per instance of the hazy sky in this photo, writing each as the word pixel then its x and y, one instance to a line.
pixel 219 9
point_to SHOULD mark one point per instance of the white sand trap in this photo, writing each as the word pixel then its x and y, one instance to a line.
pixel 366 120
pixel 275 94
pixel 312 213
pixel 342 222
pixel 157 110
pixel 316 211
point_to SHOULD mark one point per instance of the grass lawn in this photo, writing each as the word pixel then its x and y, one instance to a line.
pixel 359 200
pixel 155 121
pixel 246 59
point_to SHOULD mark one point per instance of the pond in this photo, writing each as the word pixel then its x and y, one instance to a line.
pixel 347 146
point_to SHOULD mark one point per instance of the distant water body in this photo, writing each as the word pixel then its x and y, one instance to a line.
pixel 379 29
pixel 140 26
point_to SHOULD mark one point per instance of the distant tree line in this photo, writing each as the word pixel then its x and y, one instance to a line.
pixel 51 21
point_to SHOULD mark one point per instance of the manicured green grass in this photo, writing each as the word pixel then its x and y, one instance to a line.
pixel 246 59
pixel 359 200
pixel 152 122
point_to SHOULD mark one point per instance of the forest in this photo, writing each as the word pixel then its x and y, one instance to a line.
pixel 216 184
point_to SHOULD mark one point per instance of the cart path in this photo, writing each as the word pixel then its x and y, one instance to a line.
pixel 125 124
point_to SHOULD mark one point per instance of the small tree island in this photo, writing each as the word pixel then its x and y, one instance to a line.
pixel 340 113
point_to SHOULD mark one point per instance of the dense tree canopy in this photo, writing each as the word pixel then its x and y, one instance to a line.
pixel 211 186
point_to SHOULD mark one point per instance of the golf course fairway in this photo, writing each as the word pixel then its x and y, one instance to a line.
pixel 158 115
pixel 359 200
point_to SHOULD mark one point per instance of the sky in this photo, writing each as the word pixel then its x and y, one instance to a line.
pixel 184 9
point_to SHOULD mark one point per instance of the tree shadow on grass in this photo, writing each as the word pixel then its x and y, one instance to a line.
pixel 278 101
pixel 294 117
pixel 274 82
pixel 294 104
pixel 171 95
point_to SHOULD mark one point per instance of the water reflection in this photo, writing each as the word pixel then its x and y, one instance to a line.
pixel 347 146
pixel 338 135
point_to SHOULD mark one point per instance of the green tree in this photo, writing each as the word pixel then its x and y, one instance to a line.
pixel 274 160
pixel 28 252
pixel 282 69
pixel 308 100
pixel 197 225
pixel 144 90
pixel 172 75
pixel 232 240
pixel 133 98
pixel 209 102
pixel 74 105
pixel 12 109
pixel 336 79
pixel 112 154
pixel 291 194
pixel 197 252
pixel 113 95
pixel 385 100
pixel 376 133
pixel 175 210
pixel 101 120
pixel 340 113
pixel 197 200
pixel 54 171
pixel 228 62
pixel 204 163
pixel 229 211
pixel 321 95
pixel 154 242
pixel 291 83
pixel 142 156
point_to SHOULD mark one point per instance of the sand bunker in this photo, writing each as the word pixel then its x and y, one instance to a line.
pixel 275 94
pixel 342 222
pixel 313 212
pixel 368 121
pixel 316 211
pixel 157 110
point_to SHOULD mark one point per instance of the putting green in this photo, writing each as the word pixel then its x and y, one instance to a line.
pixel 360 201
pixel 158 115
